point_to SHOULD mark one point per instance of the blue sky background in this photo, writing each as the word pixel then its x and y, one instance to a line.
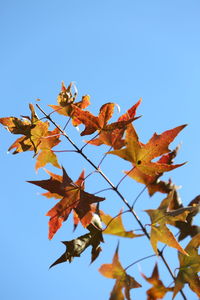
pixel 115 51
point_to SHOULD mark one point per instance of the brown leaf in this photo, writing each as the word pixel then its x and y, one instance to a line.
pixel 77 246
pixel 66 103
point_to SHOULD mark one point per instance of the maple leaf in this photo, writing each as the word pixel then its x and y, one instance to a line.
pixel 189 268
pixel 158 290
pixel 36 137
pixel 153 183
pixel 66 103
pixel 140 155
pixel 115 226
pixel 75 247
pixel 186 228
pixel 114 138
pixel 73 197
pixel 123 280
pixel 162 216
pixel 93 123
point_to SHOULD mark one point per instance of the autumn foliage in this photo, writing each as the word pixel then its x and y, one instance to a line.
pixel 148 162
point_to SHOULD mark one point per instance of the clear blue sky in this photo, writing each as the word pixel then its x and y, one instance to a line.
pixel 115 51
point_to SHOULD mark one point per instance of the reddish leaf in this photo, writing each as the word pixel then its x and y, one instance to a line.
pixel 73 197
pixel 93 123
pixel 123 280
pixel 114 138
pixel 158 290
pixel 153 183
pixel 140 155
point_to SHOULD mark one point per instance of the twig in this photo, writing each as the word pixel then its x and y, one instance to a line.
pixel 113 218
pixel 142 191
pixel 104 156
pixel 137 261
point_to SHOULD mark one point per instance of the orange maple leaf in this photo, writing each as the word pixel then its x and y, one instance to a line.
pixel 158 290
pixel 93 123
pixel 123 280
pixel 141 155
pixel 114 138
pixel 153 183
pixel 73 197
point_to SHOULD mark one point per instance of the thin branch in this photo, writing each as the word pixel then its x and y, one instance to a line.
pixel 137 261
pixel 63 151
pixel 114 189
pixel 88 142
pixel 124 177
pixel 107 189
pixel 104 156
pixel 119 214
pixel 66 123
pixel 138 196
pixel 89 174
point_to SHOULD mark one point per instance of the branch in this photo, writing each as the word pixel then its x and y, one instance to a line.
pixel 114 188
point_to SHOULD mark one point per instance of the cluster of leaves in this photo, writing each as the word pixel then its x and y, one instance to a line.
pixel 122 137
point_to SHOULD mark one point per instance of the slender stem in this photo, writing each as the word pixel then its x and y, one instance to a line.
pixel 66 123
pixel 107 189
pixel 113 218
pixel 87 143
pixel 124 177
pixel 137 261
pixel 132 211
pixel 103 158
pixel 55 151
pixel 138 196
pixel 89 175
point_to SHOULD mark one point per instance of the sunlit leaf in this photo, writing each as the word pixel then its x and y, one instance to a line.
pixel 73 197
pixel 123 280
